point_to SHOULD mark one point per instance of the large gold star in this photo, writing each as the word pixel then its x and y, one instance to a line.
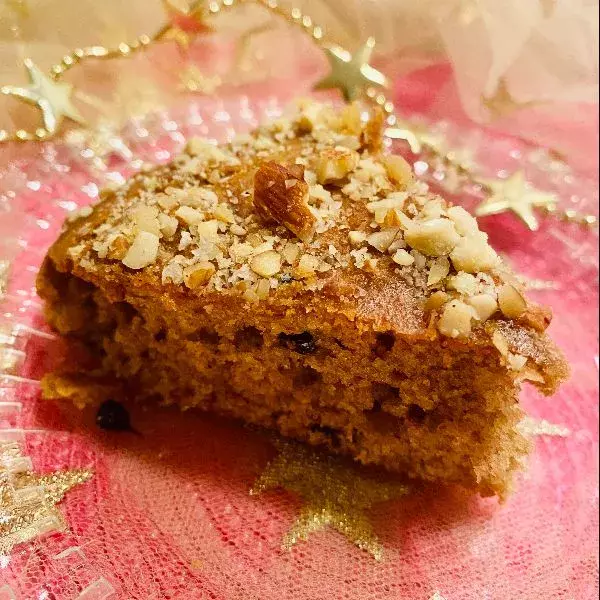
pixel 53 98
pixel 186 23
pixel 28 500
pixel 502 103
pixel 351 73
pixel 516 195
pixel 335 494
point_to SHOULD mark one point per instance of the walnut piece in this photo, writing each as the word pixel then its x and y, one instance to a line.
pixel 274 200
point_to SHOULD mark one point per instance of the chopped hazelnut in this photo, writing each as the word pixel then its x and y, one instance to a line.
pixel 403 258
pixel 436 301
pixel 266 264
pixel 456 319
pixel 351 120
pixel 500 342
pixel 382 239
pixel 334 164
pixel 168 225
pixel 511 302
pixel 290 253
pixel 198 274
pixel 473 254
pixel 143 251
pixel 433 238
pixel 189 215
pixel 516 361
pixel 463 283
pixel 465 223
pixel 208 229
pixel 307 266
pixel 356 237
pixel 146 219
pixel 223 213
pixel 440 267
pixel 397 169
pixel 485 305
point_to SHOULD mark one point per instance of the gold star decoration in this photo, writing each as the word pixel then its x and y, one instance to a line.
pixel 28 500
pixel 334 493
pixel 193 80
pixel 516 195
pixel 53 98
pixel 185 23
pixel 351 73
pixel 502 103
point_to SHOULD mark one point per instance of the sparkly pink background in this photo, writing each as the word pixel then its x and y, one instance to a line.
pixel 168 514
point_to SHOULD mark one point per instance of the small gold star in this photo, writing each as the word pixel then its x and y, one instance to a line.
pixel 351 73
pixel 186 23
pixel 516 195
pixel 53 98
pixel 28 500
pixel 502 103
pixel 334 494
pixel 193 80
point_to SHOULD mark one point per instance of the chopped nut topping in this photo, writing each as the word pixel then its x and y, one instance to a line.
pixel 433 238
pixel 403 258
pixel 511 302
pixel 485 305
pixel 473 254
pixel 456 319
pixel 397 169
pixel 266 264
pixel 335 164
pixel 440 268
pixel 307 266
pixel 356 237
pixel 143 251
pixel 189 215
pixel 436 301
pixel 197 275
pixel 382 240
pixel 286 205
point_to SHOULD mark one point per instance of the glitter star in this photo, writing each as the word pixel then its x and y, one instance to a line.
pixel 28 500
pixel 334 494
pixel 53 98
pixel 516 195
pixel 351 73
pixel 185 23
pixel 502 103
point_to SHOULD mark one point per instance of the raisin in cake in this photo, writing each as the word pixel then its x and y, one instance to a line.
pixel 301 279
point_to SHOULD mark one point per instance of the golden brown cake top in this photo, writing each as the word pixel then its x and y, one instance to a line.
pixel 305 204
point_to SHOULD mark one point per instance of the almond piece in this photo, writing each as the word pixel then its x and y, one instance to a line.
pixel 485 305
pixel 511 302
pixel 334 164
pixel 307 266
pixel 285 205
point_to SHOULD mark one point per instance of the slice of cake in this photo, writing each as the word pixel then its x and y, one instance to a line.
pixel 300 279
